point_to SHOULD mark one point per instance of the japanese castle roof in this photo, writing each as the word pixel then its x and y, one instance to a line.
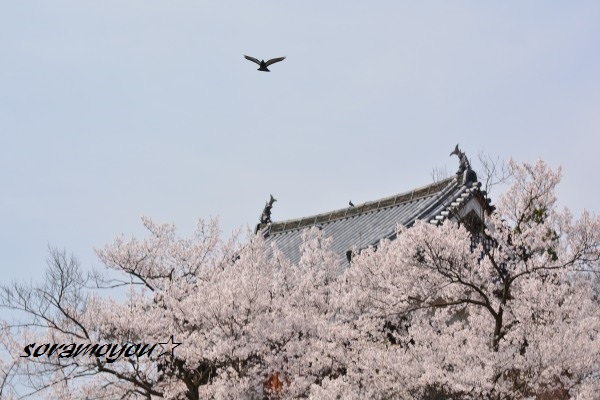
pixel 366 224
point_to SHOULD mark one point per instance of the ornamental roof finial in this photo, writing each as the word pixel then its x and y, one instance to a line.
pixel 464 165
pixel 265 217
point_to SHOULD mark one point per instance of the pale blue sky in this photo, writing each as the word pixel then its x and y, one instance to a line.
pixel 110 110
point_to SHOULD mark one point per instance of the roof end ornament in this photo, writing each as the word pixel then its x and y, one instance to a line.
pixel 265 217
pixel 464 166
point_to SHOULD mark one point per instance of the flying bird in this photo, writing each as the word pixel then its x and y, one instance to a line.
pixel 262 64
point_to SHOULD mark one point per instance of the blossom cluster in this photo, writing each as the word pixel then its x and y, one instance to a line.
pixel 425 315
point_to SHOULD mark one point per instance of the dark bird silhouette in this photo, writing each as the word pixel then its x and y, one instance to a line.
pixel 351 203
pixel 262 64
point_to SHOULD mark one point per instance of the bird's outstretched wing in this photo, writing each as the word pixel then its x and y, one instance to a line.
pixel 254 60
pixel 274 60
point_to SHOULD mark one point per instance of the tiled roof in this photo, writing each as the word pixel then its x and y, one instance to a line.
pixel 366 224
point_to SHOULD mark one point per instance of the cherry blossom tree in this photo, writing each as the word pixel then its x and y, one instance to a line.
pixel 512 317
pixel 440 312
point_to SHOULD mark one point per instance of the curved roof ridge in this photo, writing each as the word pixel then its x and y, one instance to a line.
pixel 370 206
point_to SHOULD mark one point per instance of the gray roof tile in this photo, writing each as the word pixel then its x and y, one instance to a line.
pixel 366 224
